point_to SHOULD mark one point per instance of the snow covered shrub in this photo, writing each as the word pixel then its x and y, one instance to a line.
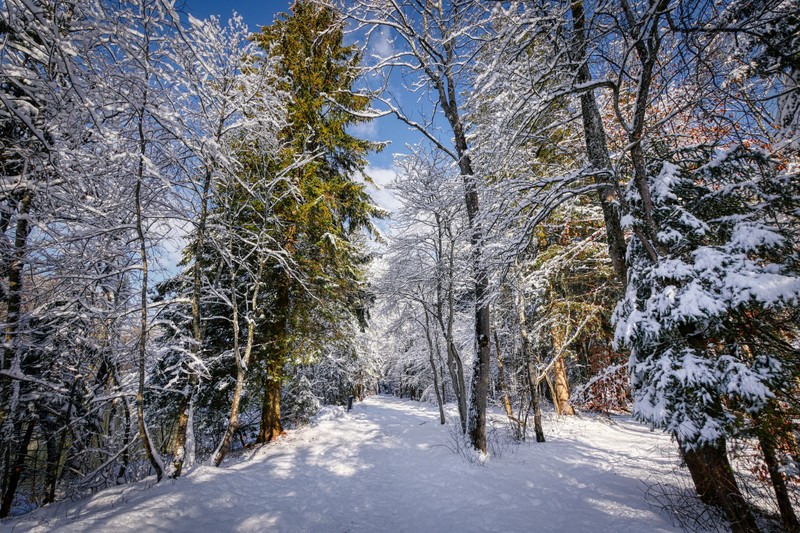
pixel 700 321
pixel 608 387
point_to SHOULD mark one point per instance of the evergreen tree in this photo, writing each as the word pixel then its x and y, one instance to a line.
pixel 324 207
pixel 701 321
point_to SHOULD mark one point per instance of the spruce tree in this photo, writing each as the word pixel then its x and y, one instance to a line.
pixel 324 207
pixel 700 322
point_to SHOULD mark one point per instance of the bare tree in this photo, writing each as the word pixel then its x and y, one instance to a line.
pixel 432 44
pixel 225 98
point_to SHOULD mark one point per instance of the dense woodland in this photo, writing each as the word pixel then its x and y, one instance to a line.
pixel 602 215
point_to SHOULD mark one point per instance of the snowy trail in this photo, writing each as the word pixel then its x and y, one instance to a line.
pixel 385 467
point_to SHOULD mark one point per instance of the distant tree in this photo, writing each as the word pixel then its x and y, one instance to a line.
pixel 432 46
pixel 426 263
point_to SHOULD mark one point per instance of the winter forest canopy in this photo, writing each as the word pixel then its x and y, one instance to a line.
pixel 602 214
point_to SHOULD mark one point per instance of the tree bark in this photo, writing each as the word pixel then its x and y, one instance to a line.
pixel 242 364
pixel 150 452
pixel 455 365
pixel 533 374
pixel 9 389
pixel 16 472
pixel 788 516
pixel 271 427
pixel 562 388
pixel 501 378
pixel 597 149
pixel 479 384
pixel 51 468
pixel 439 400
pixel 126 417
pixel 716 485
pixel 536 402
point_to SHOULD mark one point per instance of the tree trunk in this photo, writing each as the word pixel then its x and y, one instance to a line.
pixel 271 404
pixel 439 401
pixel 51 469
pixel 501 378
pixel 14 293
pixel 9 389
pixel 144 436
pixel 788 516
pixel 562 388
pixel 455 365
pixel 533 374
pixel 181 452
pixel 280 345
pixel 55 452
pixel 716 485
pixel 597 149
pixel 233 420
pixel 456 368
pixel 479 384
pixel 442 381
pixel 536 402
pixel 16 472
pixel 242 364
pixel 126 439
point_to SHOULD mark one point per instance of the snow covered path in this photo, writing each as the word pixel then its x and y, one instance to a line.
pixel 386 467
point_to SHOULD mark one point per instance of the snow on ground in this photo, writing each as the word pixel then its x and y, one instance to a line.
pixel 389 466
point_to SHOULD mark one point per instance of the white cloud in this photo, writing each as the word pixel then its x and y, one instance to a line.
pixel 381 45
pixel 365 130
pixel 381 192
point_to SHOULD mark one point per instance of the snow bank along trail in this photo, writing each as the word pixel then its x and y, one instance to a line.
pixel 386 467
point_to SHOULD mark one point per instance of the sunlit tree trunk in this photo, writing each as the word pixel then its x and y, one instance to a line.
pixel 530 368
pixel 562 388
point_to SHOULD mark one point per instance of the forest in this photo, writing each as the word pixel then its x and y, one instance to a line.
pixel 602 215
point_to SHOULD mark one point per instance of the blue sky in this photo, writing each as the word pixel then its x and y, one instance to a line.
pixel 255 13
pixel 260 13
